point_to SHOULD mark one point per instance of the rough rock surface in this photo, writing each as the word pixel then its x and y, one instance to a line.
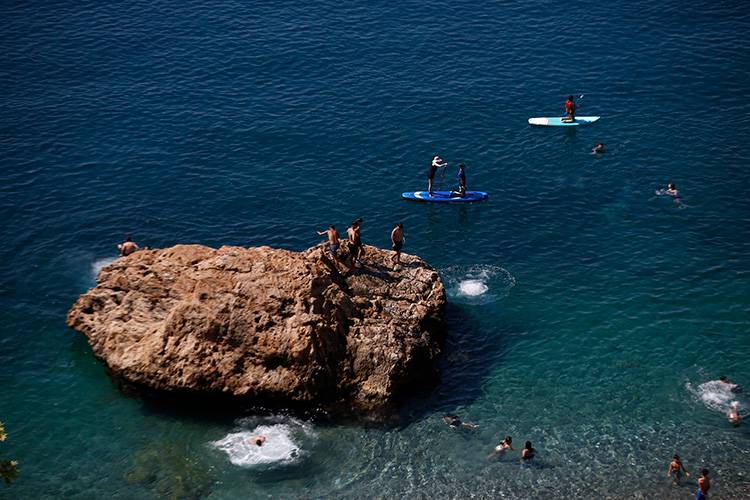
pixel 267 326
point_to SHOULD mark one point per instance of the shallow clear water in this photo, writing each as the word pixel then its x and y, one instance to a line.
pixel 258 123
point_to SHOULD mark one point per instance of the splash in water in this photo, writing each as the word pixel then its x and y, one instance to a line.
pixel 479 284
pixel 715 395
pixel 284 444
pixel 100 264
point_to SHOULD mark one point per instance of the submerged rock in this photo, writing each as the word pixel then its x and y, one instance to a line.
pixel 266 326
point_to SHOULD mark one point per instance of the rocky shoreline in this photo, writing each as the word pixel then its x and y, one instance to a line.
pixel 267 327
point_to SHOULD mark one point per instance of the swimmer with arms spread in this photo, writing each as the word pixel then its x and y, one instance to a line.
pixel 676 469
pixel 500 449
pixel 455 422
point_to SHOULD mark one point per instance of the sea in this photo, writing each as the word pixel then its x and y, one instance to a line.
pixel 589 313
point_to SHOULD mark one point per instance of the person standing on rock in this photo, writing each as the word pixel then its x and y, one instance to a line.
pixel 397 241
pixel 355 241
pixel 127 247
pixel 333 240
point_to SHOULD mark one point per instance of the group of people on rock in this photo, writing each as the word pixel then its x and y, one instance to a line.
pixel 356 247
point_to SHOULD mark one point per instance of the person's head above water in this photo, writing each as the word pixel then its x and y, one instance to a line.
pixel 508 439
pixel 724 379
pixel 671 185
pixel 704 472
pixel 527 445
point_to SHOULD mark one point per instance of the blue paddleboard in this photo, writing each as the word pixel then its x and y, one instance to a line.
pixel 444 196
pixel 558 122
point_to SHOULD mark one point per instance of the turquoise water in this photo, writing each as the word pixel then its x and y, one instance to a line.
pixel 602 308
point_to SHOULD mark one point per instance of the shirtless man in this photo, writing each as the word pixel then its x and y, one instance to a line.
pixel 127 247
pixel 704 484
pixel 355 241
pixel 333 240
pixel 437 162
pixel 676 469
pixel 672 190
pixel 397 240
pixel 454 422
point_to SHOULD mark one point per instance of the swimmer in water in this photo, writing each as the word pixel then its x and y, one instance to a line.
pixel 127 247
pixel 734 413
pixel 731 385
pixel 672 190
pixel 598 149
pixel 676 469
pixel 257 440
pixel 528 452
pixel 456 422
pixel 704 484
pixel 500 449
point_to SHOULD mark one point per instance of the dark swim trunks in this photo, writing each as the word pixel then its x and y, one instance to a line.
pixel 398 245
pixel 334 247
pixel 431 174
pixel 700 496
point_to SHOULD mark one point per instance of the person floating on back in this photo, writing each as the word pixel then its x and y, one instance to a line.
pixel 570 110
pixel 397 240
pixel 676 469
pixel 461 176
pixel 598 149
pixel 704 484
pixel 437 163
pixel 455 422
pixel 333 240
pixel 127 247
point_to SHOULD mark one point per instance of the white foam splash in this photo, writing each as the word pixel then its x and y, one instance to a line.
pixel 472 288
pixel 100 264
pixel 714 394
pixel 284 441
pixel 478 284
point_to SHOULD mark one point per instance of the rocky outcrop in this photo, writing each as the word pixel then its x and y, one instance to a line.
pixel 267 326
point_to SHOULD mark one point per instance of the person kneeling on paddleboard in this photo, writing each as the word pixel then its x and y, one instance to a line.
pixel 570 110
pixel 461 176
pixel 437 162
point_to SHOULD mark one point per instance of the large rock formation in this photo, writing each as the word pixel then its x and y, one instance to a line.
pixel 267 326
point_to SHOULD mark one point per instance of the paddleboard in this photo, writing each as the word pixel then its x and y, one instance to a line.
pixel 558 121
pixel 444 196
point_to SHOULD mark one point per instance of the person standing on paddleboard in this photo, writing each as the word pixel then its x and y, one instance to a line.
pixel 437 162
pixel 570 109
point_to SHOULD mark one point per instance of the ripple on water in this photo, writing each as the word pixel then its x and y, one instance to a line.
pixel 478 284
pixel 286 439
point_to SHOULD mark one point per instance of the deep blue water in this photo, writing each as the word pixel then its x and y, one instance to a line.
pixel 605 306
